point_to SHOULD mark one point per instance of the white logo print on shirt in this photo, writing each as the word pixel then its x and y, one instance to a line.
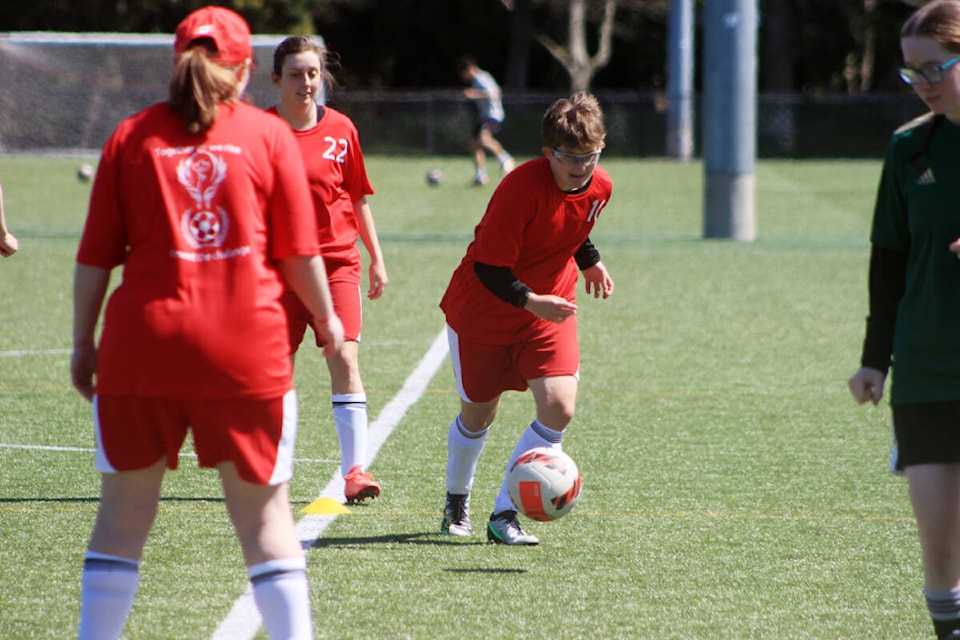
pixel 926 177
pixel 204 226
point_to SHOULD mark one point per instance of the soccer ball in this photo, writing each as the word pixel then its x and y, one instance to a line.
pixel 84 172
pixel 434 177
pixel 544 484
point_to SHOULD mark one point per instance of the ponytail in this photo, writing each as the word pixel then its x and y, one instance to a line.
pixel 198 86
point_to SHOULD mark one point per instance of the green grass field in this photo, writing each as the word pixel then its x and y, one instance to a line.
pixel 732 487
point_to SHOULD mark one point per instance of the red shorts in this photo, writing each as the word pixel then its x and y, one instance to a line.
pixel 257 435
pixel 347 303
pixel 484 371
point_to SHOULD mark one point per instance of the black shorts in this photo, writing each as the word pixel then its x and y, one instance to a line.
pixel 493 126
pixel 926 433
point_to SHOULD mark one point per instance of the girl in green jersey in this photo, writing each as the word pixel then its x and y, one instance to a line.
pixel 914 318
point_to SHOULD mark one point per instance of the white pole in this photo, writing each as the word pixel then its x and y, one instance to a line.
pixel 730 106
pixel 680 80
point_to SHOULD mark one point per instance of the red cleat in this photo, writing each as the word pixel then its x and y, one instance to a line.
pixel 359 485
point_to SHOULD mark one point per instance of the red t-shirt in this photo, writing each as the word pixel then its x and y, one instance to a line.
pixel 196 221
pixel 535 229
pixel 338 178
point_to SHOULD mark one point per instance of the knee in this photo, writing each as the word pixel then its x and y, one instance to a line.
pixel 557 414
pixel 477 417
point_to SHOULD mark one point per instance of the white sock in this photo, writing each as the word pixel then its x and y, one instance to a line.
pixel 108 586
pixel 463 452
pixel 535 435
pixel 282 595
pixel 350 416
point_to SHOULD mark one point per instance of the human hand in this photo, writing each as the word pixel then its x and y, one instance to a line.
pixel 378 280
pixel 331 334
pixel 83 364
pixel 598 279
pixel 8 244
pixel 867 384
pixel 955 247
pixel 549 307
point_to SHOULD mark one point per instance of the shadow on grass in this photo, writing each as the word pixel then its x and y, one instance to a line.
pixel 97 499
pixel 494 570
pixel 422 538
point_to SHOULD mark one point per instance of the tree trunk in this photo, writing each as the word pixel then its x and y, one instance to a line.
pixel 777 71
pixel 574 57
pixel 521 34
pixel 868 59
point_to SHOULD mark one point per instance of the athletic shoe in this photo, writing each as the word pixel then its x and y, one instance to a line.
pixel 359 485
pixel 479 181
pixel 504 528
pixel 456 515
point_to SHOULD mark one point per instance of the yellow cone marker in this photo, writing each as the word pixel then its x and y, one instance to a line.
pixel 325 507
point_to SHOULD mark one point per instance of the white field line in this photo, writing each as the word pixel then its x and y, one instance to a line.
pixel 35 352
pixel 243 621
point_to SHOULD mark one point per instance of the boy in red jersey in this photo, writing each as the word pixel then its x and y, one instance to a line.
pixel 511 304
pixel 202 199
pixel 338 183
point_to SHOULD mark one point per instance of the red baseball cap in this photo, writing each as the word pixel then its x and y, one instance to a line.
pixel 227 29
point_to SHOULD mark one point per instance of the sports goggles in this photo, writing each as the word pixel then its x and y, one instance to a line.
pixel 586 159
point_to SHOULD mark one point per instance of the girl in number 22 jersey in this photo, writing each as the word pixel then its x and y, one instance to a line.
pixel 339 187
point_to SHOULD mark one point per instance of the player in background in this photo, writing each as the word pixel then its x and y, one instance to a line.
pixel 485 94
pixel 511 304
pixel 201 199
pixel 914 277
pixel 8 242
pixel 338 183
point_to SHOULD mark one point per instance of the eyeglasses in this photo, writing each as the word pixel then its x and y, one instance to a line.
pixel 932 74
pixel 586 159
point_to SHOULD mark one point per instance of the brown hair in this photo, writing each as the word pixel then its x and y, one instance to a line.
pixel 301 44
pixel 574 123
pixel 938 20
pixel 198 86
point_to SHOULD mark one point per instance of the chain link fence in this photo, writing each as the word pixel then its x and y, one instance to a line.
pixel 62 92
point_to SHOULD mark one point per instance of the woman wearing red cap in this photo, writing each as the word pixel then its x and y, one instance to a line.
pixel 204 201
pixel 338 181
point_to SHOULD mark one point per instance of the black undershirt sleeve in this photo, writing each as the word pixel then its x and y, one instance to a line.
pixel 888 269
pixel 502 283
pixel 587 255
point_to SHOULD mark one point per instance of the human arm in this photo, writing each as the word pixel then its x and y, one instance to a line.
pixel 483 87
pixel 887 282
pixel 307 276
pixel 595 274
pixel 8 242
pixel 502 282
pixel 368 235
pixel 473 93
pixel 89 289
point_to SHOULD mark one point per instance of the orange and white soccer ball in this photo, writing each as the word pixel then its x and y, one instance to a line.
pixel 544 484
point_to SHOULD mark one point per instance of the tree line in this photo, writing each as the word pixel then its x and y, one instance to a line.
pixel 811 46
